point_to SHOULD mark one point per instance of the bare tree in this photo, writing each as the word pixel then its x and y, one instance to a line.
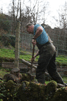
pixel 62 12
pixel 18 30
pixel 13 17
pixel 44 11
pixel 60 34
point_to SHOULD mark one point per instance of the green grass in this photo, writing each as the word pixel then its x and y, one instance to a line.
pixel 62 59
pixel 3 71
pixel 65 79
pixel 9 53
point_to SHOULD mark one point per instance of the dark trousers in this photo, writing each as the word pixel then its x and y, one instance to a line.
pixel 47 61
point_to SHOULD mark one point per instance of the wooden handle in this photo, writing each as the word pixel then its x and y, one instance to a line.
pixel 32 56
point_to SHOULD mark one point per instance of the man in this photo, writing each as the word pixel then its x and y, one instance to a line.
pixel 47 53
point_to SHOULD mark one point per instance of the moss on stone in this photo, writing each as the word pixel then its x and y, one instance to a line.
pixel 27 77
pixel 31 91
pixel 51 86
pixel 60 95
pixel 10 84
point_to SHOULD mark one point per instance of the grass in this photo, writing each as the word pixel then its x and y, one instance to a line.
pixel 3 71
pixel 62 59
pixel 9 53
pixel 65 79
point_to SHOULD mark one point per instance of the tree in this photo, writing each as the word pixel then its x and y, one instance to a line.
pixel 63 25
pixel 17 42
pixel 16 18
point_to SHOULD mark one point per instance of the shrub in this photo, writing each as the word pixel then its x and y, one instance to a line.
pixel 8 40
pixel 5 23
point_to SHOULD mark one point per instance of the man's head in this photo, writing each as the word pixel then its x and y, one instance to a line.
pixel 30 28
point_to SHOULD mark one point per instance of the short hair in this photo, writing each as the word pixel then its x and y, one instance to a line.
pixel 29 24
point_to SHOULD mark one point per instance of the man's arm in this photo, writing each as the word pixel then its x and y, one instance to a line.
pixel 38 32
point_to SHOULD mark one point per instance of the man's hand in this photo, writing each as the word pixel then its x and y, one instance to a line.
pixel 34 42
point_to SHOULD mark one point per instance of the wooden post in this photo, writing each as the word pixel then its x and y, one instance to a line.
pixel 17 44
